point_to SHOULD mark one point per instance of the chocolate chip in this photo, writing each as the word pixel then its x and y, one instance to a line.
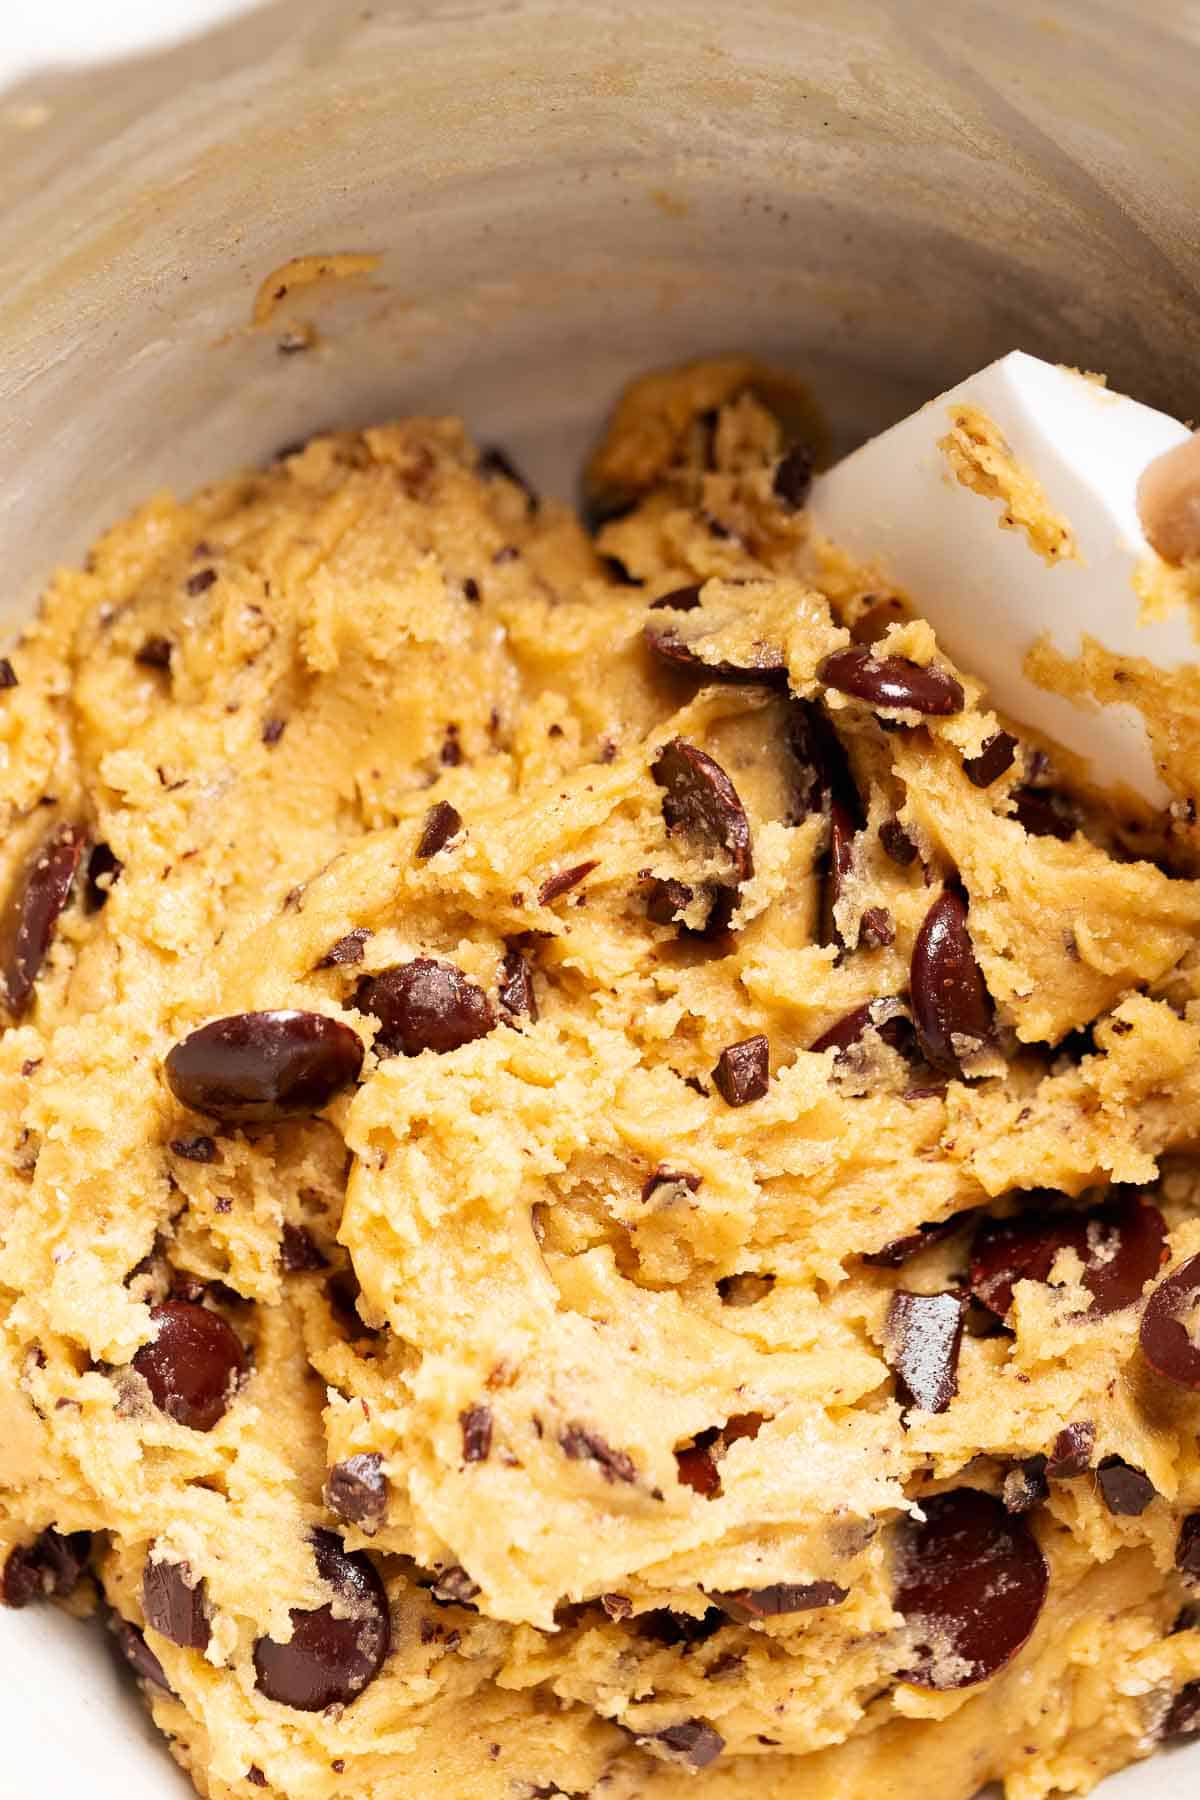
pixel 257 1067
pixel 1025 1486
pixel 198 1149
pixel 203 579
pixel 951 1006
pixel 701 802
pixel 1044 813
pixel 821 771
pixel 682 1181
pixel 743 1071
pixel 617 1606
pixel 255 1776
pixel 470 588
pixel 494 461
pixel 839 867
pixel 681 599
pixel 1187 1550
pixel 1170 1330
pixel 893 682
pixel 924 1334
pixel 697 1470
pixel 273 729
pixel 154 653
pixel 329 1659
pixel 193 1365
pixel 995 757
pixel 1072 1452
pixel 424 1005
pixel 1121 1245
pixel 103 872
pixel 970 1583
pixel 1126 1491
pixel 442 822
pixel 49 1568
pixel 357 1491
pixel 895 1254
pixel 454 1587
pixel 767 667
pixel 674 1629
pixel 450 755
pixel 140 1656
pixel 515 991
pixel 750 1604
pixel 876 929
pixel 8 675
pixel 35 904
pixel 581 1444
pixel 845 1033
pixel 476 1426
pixel 347 950
pixel 694 1742
pixel 897 844
pixel 793 477
pixel 298 1252
pixel 666 899
pixel 563 881
pixel 1183 1720
pixel 174 1606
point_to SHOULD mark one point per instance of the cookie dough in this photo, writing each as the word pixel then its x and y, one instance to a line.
pixel 599 1191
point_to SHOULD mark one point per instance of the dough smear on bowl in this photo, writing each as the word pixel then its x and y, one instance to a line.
pixel 599 1188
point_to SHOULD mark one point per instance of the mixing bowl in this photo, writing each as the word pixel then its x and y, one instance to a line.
pixel 539 198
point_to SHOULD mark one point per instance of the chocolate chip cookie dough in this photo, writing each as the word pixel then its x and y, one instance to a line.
pixel 599 1190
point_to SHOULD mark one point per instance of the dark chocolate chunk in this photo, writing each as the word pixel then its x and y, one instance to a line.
pixel 198 1149
pixel 970 1582
pixel 357 1491
pixel 681 1180
pixel 951 1005
pixel 103 872
pixel 822 770
pixel 895 1254
pixel 201 581
pixel 682 599
pixel 700 801
pixel 47 1569
pixel 424 1005
pixel 174 1605
pixel 876 929
pixel 993 760
pixel 676 1629
pixel 581 1444
pixel 35 904
pixel 255 1776
pixel 667 898
pixel 1170 1331
pixel 1183 1719
pixel 139 1655
pixel 494 461
pixel 346 950
pixel 1025 1486
pixel 781 1597
pixel 8 675
pixel 1126 1491
pixel 1187 1550
pixel 838 869
pixel 515 992
pixel 257 1067
pixel 767 666
pixel 298 1253
pixel 897 844
pixel 694 1742
pixel 450 755
pixel 743 1071
pixel 845 1033
pixel 1044 813
pixel 893 682
pixel 617 1606
pixel 924 1333
pixel 454 1587
pixel 1121 1246
pixel 698 1470
pixel 329 1659
pixel 563 881
pixel 476 1425
pixel 442 822
pixel 1072 1452
pixel 154 653
pixel 273 729
pixel 793 477
pixel 193 1365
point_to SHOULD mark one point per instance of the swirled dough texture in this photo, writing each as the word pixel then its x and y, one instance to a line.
pixel 598 1399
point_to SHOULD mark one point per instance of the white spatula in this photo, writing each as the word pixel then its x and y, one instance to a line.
pixel 987 592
